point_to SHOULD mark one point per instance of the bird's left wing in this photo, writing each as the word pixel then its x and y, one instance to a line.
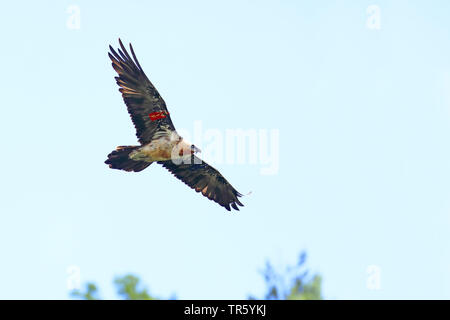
pixel 203 178
pixel 146 107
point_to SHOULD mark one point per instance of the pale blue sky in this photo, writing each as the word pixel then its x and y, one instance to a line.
pixel 364 123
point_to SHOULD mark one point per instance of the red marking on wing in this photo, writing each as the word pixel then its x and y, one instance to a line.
pixel 158 115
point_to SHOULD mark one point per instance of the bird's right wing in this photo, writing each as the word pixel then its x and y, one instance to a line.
pixel 203 178
pixel 146 107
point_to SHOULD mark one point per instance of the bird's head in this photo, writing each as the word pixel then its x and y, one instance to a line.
pixel 184 148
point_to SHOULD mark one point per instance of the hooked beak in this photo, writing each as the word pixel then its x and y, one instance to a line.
pixel 194 149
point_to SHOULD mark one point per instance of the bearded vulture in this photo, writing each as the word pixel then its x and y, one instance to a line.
pixel 159 141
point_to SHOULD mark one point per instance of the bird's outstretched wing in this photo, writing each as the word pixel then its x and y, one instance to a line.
pixel 147 109
pixel 203 178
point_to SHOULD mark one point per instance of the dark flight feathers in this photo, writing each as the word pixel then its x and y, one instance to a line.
pixel 203 178
pixel 139 94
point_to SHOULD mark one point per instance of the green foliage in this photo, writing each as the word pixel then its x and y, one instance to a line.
pixel 292 284
pixel 127 288
pixel 307 291
pixel 90 294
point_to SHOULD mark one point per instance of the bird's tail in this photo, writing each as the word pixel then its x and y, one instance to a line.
pixel 119 159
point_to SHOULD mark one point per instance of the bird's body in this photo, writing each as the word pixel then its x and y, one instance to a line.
pixel 162 149
pixel 157 150
pixel 159 140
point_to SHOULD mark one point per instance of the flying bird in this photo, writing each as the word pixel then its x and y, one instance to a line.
pixel 159 141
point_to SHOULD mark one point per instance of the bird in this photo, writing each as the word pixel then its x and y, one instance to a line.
pixel 158 138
